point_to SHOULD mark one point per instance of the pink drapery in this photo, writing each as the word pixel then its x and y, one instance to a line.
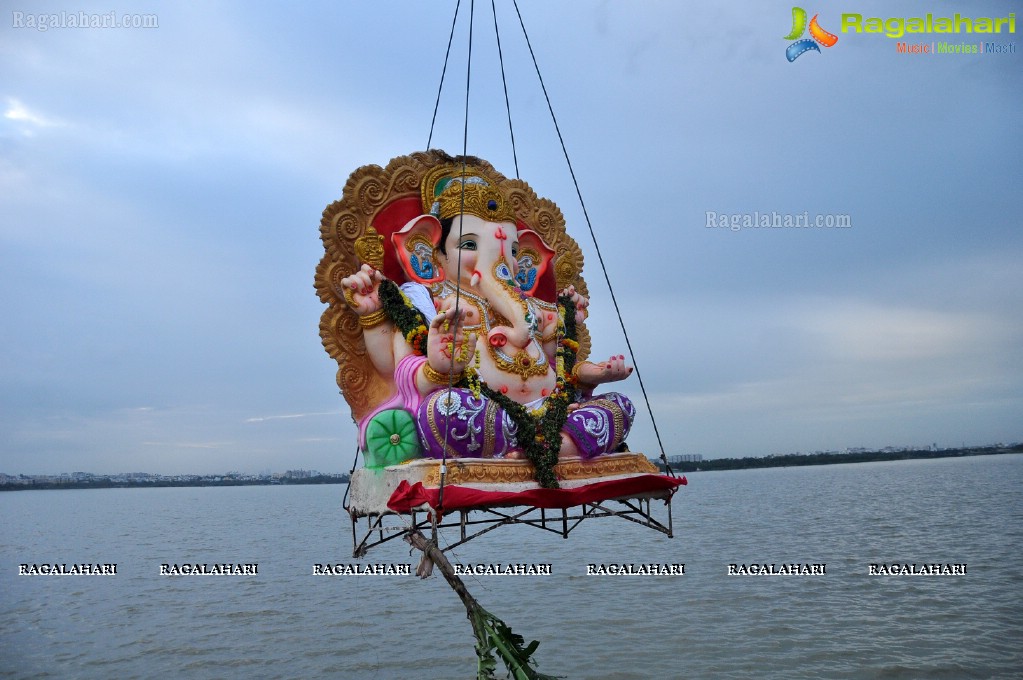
pixel 408 496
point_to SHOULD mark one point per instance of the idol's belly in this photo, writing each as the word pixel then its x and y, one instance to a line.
pixel 519 385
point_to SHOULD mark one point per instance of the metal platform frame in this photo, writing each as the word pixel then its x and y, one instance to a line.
pixel 387 527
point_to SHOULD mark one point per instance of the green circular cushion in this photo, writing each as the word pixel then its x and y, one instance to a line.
pixel 391 438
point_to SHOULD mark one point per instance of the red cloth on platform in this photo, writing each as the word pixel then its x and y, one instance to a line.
pixel 408 496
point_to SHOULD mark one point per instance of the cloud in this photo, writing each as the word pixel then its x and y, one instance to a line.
pixel 930 352
pixel 26 120
pixel 190 445
pixel 290 416
pixel 866 331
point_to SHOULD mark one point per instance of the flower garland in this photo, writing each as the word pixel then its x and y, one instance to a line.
pixel 539 433
pixel 409 320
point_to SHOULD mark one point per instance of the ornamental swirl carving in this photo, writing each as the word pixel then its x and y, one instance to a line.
pixel 354 382
pixel 583 338
pixel 370 194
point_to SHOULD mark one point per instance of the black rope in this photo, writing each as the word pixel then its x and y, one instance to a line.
pixel 593 236
pixel 458 262
pixel 468 75
pixel 504 82
pixel 348 487
pixel 444 70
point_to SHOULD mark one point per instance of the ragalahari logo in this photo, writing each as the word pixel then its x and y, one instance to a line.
pixel 818 35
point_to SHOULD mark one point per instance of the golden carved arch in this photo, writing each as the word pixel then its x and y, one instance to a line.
pixel 349 231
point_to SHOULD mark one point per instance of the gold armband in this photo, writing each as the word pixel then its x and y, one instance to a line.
pixel 374 318
pixel 440 378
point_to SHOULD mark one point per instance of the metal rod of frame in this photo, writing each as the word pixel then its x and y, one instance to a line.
pixel 635 510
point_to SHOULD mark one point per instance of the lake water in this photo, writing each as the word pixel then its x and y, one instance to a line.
pixel 287 623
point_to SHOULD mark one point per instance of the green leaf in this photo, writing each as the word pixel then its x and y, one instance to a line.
pixel 499 637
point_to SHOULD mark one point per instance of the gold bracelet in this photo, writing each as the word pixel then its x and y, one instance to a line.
pixel 440 378
pixel 374 318
pixel 575 373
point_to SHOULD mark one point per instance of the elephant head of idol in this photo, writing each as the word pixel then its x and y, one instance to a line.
pixel 470 244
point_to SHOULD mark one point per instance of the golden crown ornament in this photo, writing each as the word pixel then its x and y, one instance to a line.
pixel 447 194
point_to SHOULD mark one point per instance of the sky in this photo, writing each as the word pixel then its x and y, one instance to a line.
pixel 161 190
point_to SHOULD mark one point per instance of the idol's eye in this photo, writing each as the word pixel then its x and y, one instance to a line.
pixel 515 250
pixel 467 244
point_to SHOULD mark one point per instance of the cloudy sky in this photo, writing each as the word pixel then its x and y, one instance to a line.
pixel 161 190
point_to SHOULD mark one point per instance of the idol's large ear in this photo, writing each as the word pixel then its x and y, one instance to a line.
pixel 534 257
pixel 415 244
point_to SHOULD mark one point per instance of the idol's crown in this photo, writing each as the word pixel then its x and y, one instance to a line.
pixel 469 194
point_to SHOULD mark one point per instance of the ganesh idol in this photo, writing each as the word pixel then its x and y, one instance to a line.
pixel 469 334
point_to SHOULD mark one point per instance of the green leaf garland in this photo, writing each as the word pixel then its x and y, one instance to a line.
pixel 409 320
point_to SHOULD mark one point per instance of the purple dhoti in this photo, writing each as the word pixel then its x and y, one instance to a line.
pixel 477 427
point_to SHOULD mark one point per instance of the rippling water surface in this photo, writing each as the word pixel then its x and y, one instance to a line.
pixel 287 623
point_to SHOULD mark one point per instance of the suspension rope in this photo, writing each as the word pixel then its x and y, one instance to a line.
pixel 351 473
pixel 593 236
pixel 458 262
pixel 444 70
pixel 504 82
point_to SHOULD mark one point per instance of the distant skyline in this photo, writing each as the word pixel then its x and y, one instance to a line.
pixel 853 452
pixel 161 189
pixel 296 473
